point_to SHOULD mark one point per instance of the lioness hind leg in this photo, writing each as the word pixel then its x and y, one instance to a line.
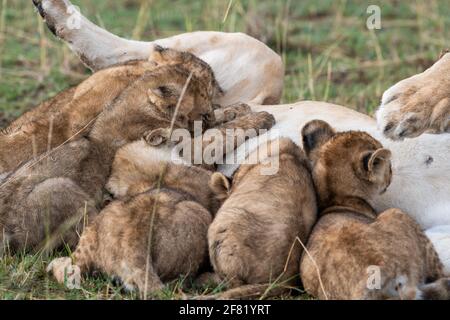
pixel 96 47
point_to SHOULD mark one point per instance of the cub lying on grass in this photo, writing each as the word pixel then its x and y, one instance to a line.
pixel 252 240
pixel 351 242
pixel 157 231
pixel 67 116
pixel 48 200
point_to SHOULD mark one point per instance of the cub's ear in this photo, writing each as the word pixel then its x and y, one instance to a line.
pixel 220 185
pixel 157 55
pixel 157 137
pixel 374 164
pixel 314 134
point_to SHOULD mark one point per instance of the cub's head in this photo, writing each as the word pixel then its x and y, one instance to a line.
pixel 164 56
pixel 161 96
pixel 346 164
pixel 172 86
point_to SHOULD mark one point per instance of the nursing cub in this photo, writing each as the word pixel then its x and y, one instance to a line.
pixel 70 114
pixel 156 229
pixel 252 241
pixel 48 200
pixel 57 120
pixel 354 252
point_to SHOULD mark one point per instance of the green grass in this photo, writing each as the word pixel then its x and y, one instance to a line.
pixel 329 54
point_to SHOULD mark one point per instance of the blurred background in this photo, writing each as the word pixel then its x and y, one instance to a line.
pixel 329 52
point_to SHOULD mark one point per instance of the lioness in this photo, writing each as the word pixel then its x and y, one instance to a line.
pixel 352 242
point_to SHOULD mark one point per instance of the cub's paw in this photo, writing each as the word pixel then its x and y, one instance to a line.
pixel 236 110
pixel 231 112
pixel 253 121
pixel 65 272
pixel 418 104
pixel 260 120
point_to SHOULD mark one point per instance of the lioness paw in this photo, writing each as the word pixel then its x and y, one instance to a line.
pixel 65 272
pixel 418 104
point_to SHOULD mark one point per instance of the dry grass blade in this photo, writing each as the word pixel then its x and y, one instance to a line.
pixel 142 19
pixel 315 266
pixel 230 4
pixel 158 188
pixel 45 68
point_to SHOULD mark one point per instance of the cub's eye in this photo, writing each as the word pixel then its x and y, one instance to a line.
pixel 165 91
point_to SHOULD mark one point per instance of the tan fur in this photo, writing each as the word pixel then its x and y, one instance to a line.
pixel 64 115
pixel 164 56
pixel 117 242
pixel 418 104
pixel 56 121
pixel 167 204
pixel 252 240
pixel 55 194
pixel 350 168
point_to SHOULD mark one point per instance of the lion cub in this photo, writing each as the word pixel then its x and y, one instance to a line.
pixel 157 229
pixel 354 252
pixel 68 115
pixel 47 201
pixel 252 240
pixel 57 120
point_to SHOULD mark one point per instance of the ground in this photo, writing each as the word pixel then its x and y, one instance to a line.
pixel 330 55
